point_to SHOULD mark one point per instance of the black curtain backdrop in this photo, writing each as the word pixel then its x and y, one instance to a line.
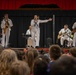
pixel 22 18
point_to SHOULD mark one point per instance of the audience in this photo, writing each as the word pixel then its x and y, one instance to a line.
pixel 45 58
pixel 7 57
pixel 38 62
pixel 30 56
pixel 1 49
pixel 65 65
pixel 20 54
pixel 40 66
pixel 72 51
pixel 19 68
pixel 55 52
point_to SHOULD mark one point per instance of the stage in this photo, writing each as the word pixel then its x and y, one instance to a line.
pixel 65 50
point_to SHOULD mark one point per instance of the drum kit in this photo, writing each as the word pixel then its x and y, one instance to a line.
pixel 29 40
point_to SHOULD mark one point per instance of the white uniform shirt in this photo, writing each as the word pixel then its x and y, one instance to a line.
pixel 74 26
pixel 65 33
pixel 28 32
pixel 3 24
pixel 35 24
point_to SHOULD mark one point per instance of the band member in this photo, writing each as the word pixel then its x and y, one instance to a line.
pixel 36 29
pixel 6 25
pixel 29 37
pixel 28 32
pixel 74 30
pixel 64 34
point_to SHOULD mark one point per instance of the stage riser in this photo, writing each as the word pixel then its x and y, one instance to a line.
pixel 65 50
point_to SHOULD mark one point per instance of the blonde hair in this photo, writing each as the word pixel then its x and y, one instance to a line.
pixel 6 58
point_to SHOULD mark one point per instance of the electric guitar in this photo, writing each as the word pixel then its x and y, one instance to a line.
pixel 59 35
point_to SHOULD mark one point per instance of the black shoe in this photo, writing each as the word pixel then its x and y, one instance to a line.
pixel 73 46
pixel 32 47
pixel 62 46
pixel 37 47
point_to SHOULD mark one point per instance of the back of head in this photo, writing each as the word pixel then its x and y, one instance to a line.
pixel 19 68
pixel 20 54
pixel 45 58
pixel 40 66
pixel 72 51
pixel 31 54
pixel 7 57
pixel 55 52
pixel 65 65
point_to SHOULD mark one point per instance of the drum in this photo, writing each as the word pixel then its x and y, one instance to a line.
pixel 30 42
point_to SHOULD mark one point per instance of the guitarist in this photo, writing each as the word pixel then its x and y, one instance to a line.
pixel 64 34
pixel 6 25
pixel 74 31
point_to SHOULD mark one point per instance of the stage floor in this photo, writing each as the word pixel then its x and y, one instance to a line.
pixel 45 49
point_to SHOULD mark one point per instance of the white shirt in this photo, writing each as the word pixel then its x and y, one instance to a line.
pixel 74 26
pixel 28 32
pixel 35 24
pixel 65 33
pixel 3 24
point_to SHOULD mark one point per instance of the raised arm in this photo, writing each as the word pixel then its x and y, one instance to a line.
pixel 45 21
